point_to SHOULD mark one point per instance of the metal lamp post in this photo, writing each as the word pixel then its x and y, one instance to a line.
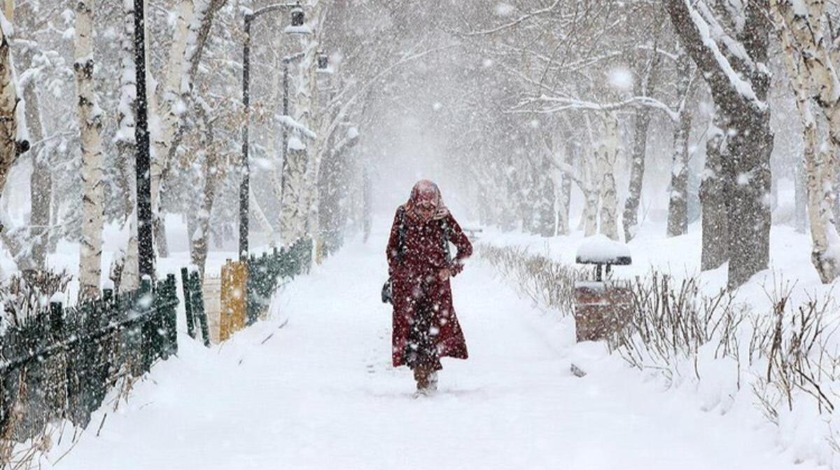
pixel 297 20
pixel 145 248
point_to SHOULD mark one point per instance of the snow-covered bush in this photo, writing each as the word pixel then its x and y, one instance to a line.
pixel 546 282
pixel 28 293
pixel 787 357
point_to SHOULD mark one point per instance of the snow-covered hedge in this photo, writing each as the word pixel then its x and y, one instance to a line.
pixel 786 358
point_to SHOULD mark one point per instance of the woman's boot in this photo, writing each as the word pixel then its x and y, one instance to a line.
pixel 421 375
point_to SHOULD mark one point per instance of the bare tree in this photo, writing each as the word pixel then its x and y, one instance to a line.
pixel 732 56
pixel 678 195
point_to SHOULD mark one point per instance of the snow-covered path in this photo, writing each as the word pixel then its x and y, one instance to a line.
pixel 312 388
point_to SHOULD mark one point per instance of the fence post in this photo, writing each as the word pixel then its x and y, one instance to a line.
pixel 56 391
pixel 252 290
pixel 188 307
pixel 56 315
pixel 198 306
pixel 234 298
pixel 148 342
pixel 169 316
pixel 97 359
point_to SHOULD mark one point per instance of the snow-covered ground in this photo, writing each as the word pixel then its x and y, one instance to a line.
pixel 313 388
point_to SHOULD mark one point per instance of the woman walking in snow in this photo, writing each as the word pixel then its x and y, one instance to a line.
pixel 425 325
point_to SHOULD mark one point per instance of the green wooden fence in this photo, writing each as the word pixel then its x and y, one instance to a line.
pixel 266 271
pixel 61 362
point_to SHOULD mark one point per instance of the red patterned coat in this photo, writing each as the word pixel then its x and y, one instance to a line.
pixel 415 280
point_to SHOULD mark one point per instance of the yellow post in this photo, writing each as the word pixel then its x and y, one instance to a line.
pixel 234 284
pixel 319 251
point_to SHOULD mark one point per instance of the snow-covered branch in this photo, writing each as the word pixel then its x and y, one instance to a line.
pixel 558 104
pixel 515 22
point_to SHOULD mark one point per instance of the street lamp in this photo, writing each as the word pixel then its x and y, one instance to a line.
pixel 297 26
pixel 145 244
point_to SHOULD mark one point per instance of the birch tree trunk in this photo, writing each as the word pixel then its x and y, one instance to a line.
pixel 195 19
pixel 292 216
pixel 810 66
pixel 643 87
pixel 367 204
pixel 214 172
pixel 606 163
pixel 800 195
pixel 40 182
pixel 170 108
pixel 126 148
pixel 317 118
pixel 564 189
pixel 630 221
pixel 8 109
pixel 544 212
pixel 591 195
pixel 303 160
pixel 90 123
pixel 589 184
pixel 678 196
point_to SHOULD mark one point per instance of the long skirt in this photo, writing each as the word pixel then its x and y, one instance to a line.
pixel 421 348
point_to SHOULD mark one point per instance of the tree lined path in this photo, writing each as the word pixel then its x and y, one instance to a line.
pixel 313 388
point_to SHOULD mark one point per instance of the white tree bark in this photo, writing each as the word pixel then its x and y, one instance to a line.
pixel 607 157
pixel 301 168
pixel 169 109
pixel 808 58
pixel 314 120
pixel 170 105
pixel 90 124
pixel 8 108
pixel 678 195
pixel 130 277
pixel 589 183
pixel 591 194
pixel 292 217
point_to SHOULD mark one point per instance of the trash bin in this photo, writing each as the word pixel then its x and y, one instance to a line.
pixel 602 307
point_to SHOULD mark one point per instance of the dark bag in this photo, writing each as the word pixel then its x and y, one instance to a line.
pixel 386 288
pixel 386 292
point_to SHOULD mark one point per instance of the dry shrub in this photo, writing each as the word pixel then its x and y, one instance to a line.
pixel 26 294
pixel 795 346
pixel 548 283
pixel 671 320
pixel 791 350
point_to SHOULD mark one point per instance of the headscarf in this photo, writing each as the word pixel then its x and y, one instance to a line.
pixel 426 191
